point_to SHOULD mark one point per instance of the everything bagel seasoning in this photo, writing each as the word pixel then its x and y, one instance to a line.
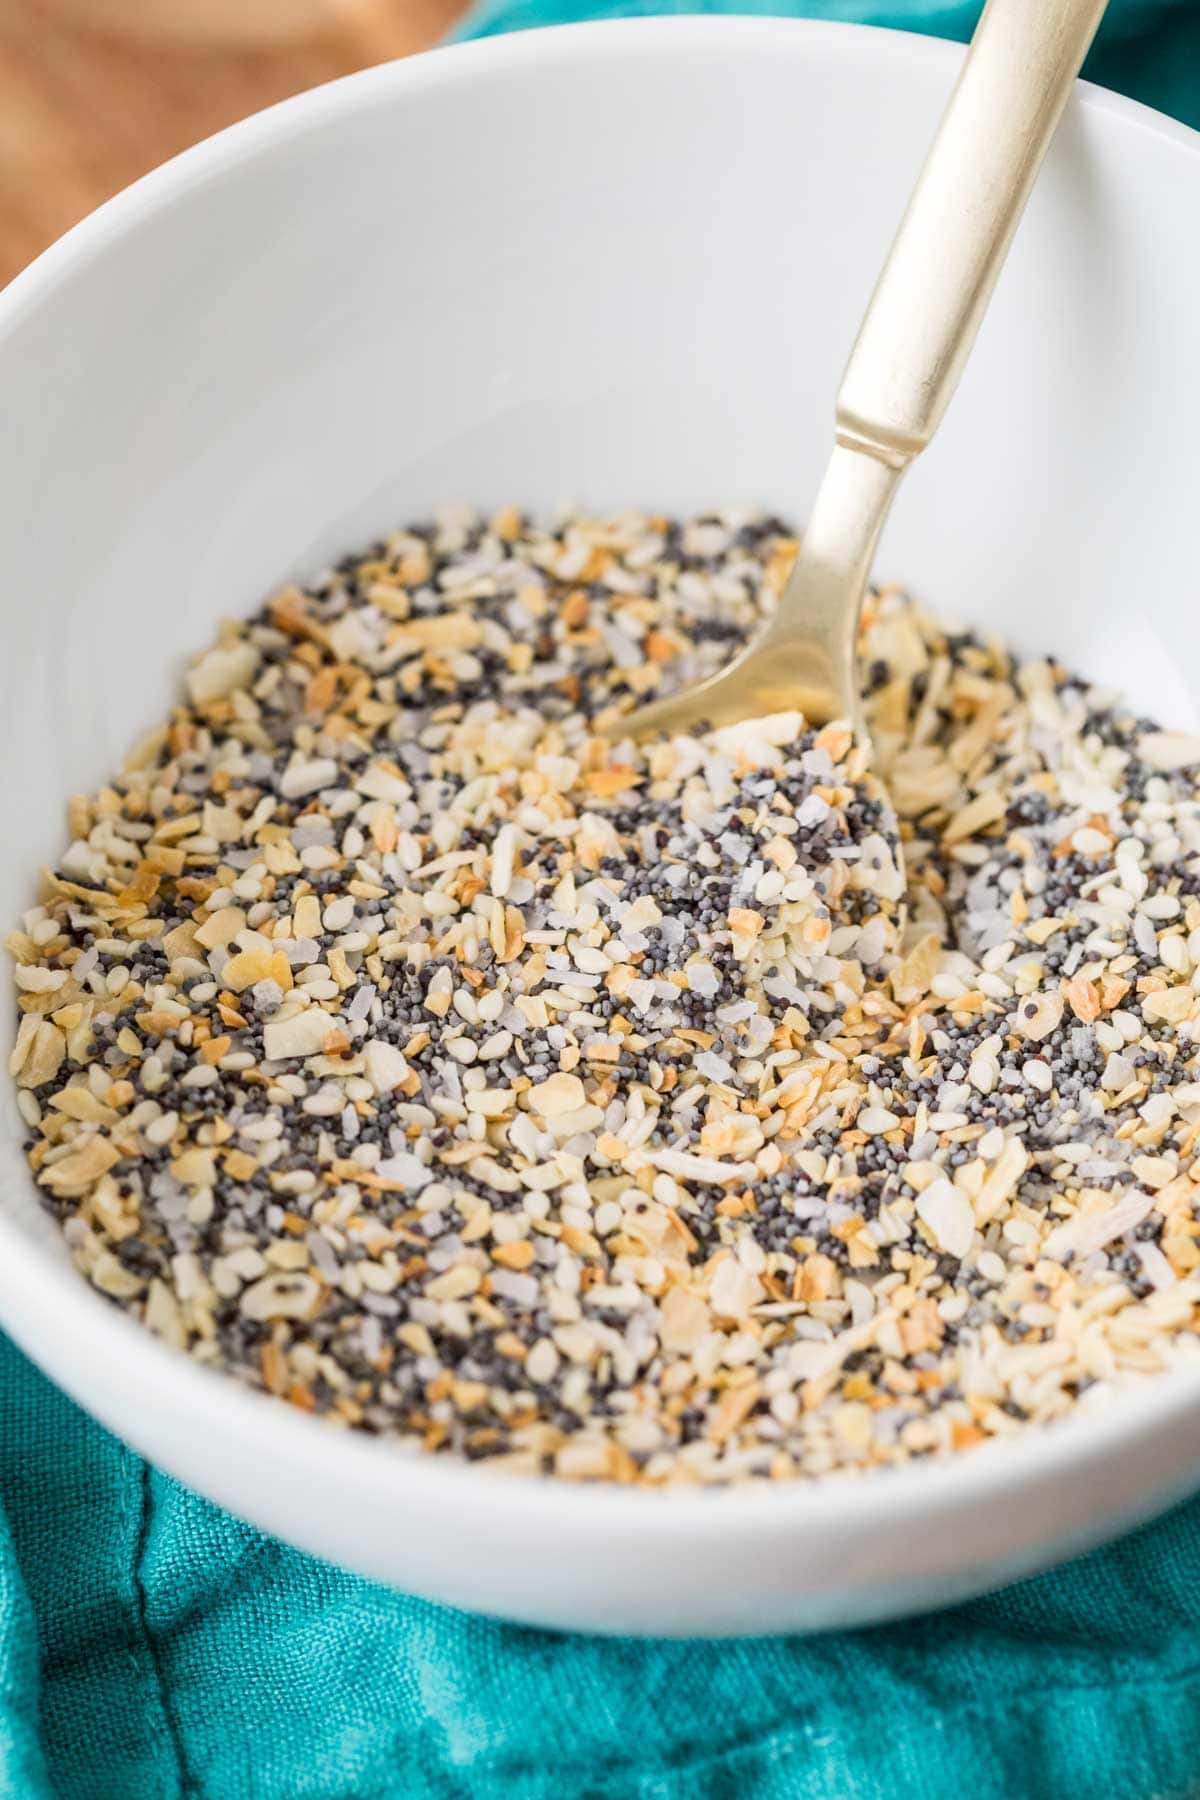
pixel 390 1039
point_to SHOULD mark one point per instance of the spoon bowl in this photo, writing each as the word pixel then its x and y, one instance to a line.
pixel 805 656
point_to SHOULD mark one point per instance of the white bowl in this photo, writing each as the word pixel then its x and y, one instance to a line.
pixel 618 263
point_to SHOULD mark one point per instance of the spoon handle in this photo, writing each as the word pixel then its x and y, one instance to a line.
pixel 938 278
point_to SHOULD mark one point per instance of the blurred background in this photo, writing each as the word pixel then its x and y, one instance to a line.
pixel 93 93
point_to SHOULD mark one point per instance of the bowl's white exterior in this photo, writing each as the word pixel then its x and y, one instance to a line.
pixel 620 264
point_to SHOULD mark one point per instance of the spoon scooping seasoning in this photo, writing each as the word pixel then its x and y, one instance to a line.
pixel 911 349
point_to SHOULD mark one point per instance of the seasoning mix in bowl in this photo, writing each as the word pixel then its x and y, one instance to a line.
pixel 321 325
pixel 392 1041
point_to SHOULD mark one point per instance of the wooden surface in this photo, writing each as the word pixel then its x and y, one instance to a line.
pixel 93 93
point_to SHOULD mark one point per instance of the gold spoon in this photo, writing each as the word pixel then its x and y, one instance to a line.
pixel 911 349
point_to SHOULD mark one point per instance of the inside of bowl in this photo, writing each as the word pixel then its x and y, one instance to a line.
pixel 535 276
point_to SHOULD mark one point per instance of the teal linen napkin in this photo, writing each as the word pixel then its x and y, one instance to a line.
pixel 153 1648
